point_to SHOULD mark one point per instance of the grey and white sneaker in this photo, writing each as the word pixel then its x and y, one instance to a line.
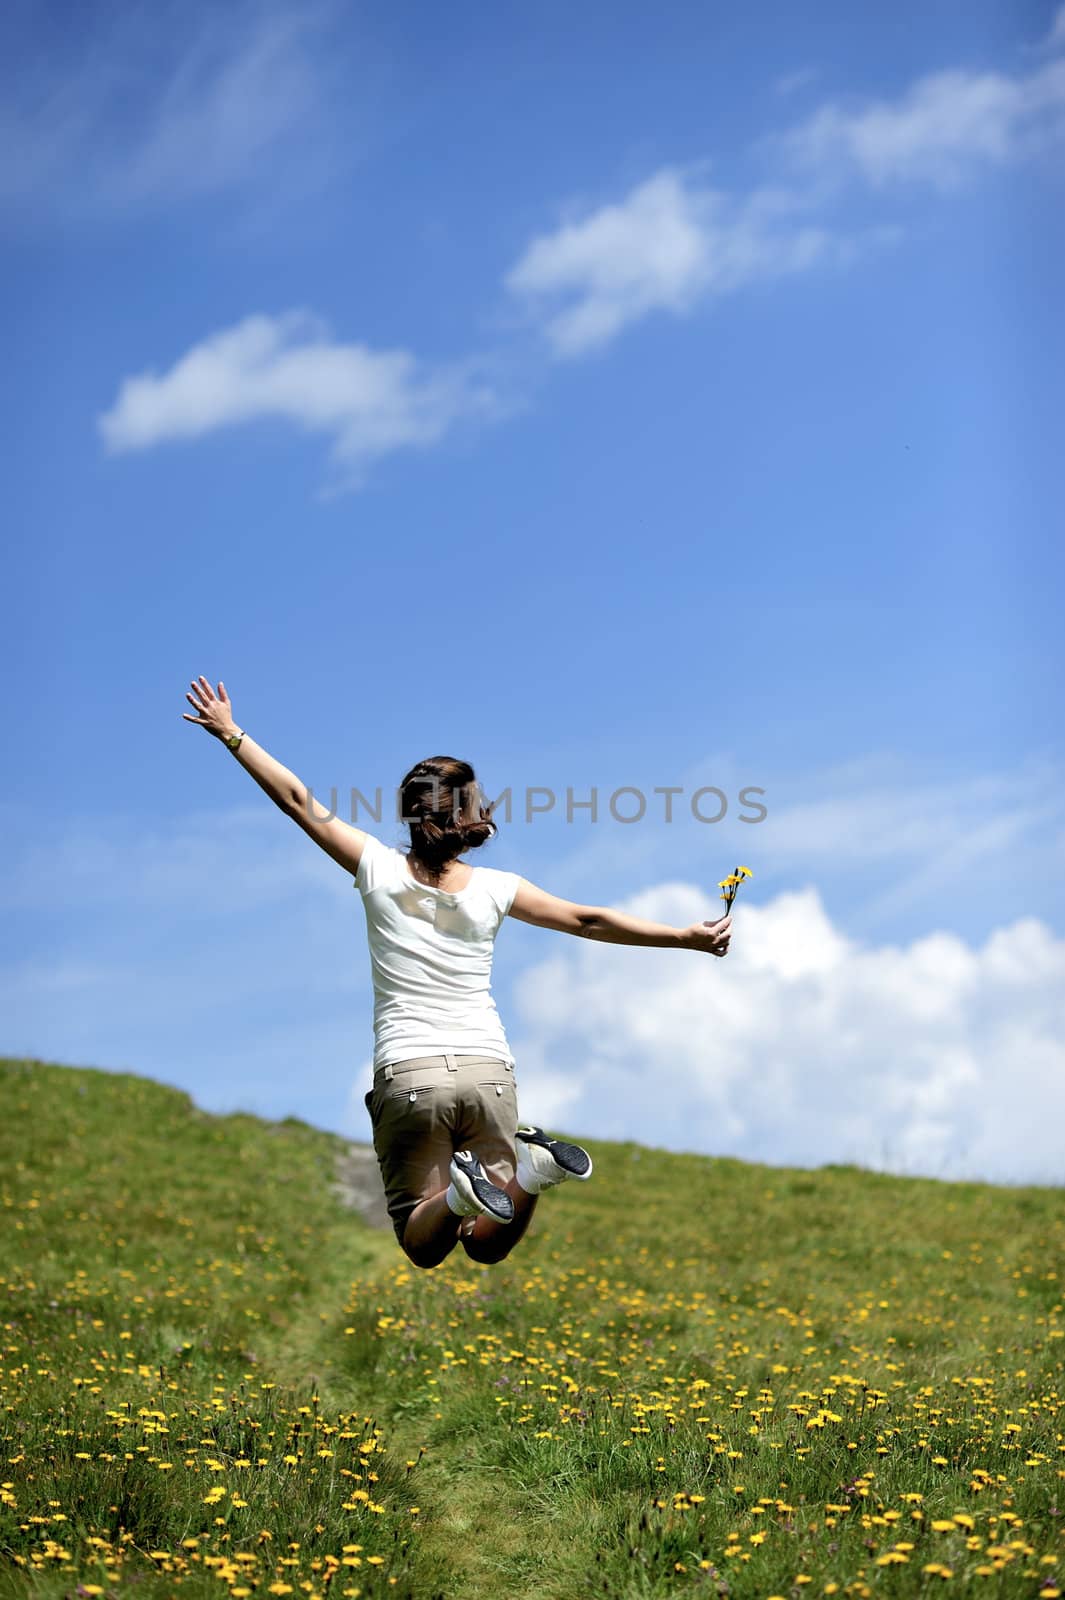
pixel 543 1161
pixel 473 1192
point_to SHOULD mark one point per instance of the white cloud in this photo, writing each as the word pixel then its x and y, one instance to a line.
pixel 667 244
pixel 368 402
pixel 805 1046
pixel 945 124
pixel 672 241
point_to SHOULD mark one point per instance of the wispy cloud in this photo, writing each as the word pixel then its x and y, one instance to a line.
pixel 134 106
pixel 227 103
pixel 943 127
pixel 891 842
pixel 1054 38
pixel 368 402
pixel 915 844
pixel 665 246
pixel 874 810
pixel 791 81
pixel 145 947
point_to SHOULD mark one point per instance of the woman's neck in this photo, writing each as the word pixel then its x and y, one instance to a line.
pixel 446 880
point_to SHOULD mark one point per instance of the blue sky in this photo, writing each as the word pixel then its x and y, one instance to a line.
pixel 611 399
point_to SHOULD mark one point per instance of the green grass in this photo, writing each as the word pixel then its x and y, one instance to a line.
pixel 756 1381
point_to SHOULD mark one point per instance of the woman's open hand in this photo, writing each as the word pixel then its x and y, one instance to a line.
pixel 216 713
pixel 713 937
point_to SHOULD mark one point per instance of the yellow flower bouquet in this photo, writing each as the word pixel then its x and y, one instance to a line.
pixel 731 886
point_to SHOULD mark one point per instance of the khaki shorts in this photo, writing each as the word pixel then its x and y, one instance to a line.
pixel 426 1108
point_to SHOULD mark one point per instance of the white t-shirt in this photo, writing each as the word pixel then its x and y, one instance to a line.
pixel 431 957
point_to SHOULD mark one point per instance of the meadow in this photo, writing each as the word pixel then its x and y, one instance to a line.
pixel 695 1376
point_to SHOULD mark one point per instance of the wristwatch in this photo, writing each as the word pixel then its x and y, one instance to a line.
pixel 233 741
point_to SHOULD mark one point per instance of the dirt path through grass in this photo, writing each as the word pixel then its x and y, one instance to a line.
pixel 473 1537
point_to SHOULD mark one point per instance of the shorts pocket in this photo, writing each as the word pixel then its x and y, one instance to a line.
pixel 497 1086
pixel 411 1088
pixel 417 1092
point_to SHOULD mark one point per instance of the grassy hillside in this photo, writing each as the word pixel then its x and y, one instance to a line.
pixel 694 1376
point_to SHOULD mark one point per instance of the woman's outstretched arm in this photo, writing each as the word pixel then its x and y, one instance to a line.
pixel 338 839
pixel 545 910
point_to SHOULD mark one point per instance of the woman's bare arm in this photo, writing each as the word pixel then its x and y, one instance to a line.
pixel 545 910
pixel 338 839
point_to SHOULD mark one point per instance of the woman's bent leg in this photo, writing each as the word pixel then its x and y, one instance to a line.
pixel 488 1121
pixel 412 1114
pixel 432 1231
pixel 489 1240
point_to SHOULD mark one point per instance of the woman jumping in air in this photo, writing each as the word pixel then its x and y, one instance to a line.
pixel 443 1106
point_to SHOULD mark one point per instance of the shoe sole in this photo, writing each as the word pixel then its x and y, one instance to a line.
pixel 574 1162
pixel 495 1201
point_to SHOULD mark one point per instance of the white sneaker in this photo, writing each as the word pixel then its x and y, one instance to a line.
pixel 543 1162
pixel 472 1193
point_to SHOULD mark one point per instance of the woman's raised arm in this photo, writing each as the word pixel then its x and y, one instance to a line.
pixel 338 839
pixel 544 910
